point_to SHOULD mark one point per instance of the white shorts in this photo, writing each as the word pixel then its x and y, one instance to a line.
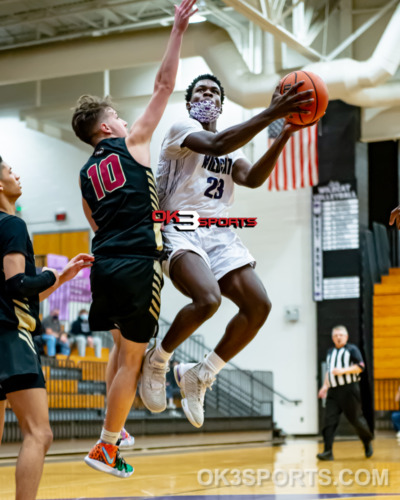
pixel 220 248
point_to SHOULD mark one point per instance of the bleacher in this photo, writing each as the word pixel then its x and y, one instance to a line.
pixel 77 399
pixel 89 356
pixel 77 389
pixel 381 315
pixel 386 340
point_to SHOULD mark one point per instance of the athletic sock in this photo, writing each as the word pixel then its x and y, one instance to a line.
pixel 212 364
pixel 109 437
pixel 160 355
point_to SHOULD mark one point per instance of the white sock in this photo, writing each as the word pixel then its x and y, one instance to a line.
pixel 109 437
pixel 160 355
pixel 212 363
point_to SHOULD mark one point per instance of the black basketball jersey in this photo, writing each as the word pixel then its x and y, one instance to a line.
pixel 22 315
pixel 122 196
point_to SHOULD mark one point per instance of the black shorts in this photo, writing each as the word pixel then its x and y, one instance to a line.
pixel 18 357
pixel 20 383
pixel 126 295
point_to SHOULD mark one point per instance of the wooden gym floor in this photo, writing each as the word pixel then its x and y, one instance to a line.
pixel 231 466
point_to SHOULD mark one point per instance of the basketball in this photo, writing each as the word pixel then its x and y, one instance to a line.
pixel 311 82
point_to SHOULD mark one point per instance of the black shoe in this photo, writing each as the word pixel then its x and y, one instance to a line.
pixel 368 449
pixel 325 455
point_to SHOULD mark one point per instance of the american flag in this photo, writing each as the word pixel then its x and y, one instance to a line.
pixel 297 165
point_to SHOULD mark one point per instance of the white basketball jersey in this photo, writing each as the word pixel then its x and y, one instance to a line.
pixel 191 181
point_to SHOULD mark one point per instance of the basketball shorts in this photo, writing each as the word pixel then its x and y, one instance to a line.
pixel 126 295
pixel 20 366
pixel 220 247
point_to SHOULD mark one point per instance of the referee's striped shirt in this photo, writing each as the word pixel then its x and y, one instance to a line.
pixel 344 357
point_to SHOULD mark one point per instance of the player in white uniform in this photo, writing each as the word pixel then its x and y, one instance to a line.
pixel 197 170
pixel 204 183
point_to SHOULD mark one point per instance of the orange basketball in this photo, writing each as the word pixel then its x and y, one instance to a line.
pixel 311 82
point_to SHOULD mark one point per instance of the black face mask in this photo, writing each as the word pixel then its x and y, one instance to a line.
pixel 55 316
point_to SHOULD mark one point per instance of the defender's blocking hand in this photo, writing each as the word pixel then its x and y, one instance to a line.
pixel 183 13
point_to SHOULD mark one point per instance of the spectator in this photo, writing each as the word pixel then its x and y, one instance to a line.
pixel 396 415
pixel 55 339
pixel 83 336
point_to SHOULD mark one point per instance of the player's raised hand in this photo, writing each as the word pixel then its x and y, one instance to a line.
pixel 291 101
pixel 395 217
pixel 183 14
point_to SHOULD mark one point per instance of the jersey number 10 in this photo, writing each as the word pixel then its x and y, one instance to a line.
pixel 107 176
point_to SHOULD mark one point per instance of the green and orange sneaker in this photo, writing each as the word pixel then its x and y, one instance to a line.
pixel 106 458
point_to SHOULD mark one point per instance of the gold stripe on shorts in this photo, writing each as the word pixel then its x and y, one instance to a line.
pixel 156 289
pixel 26 337
pixel 154 314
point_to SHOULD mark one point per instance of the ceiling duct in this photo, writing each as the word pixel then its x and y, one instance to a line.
pixel 355 82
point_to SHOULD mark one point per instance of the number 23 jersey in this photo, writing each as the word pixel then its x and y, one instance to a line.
pixel 192 181
pixel 121 194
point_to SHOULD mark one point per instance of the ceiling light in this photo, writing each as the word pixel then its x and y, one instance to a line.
pixel 197 18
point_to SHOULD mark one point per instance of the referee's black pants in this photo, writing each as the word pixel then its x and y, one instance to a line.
pixel 346 399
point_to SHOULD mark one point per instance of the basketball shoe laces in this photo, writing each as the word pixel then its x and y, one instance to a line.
pixel 206 382
pixel 120 463
pixel 159 371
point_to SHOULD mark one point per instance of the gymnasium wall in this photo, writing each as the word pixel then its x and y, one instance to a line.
pixel 49 170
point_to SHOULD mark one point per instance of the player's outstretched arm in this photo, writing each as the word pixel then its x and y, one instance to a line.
pixel 19 285
pixel 73 267
pixel 143 128
pixel 235 137
pixel 253 176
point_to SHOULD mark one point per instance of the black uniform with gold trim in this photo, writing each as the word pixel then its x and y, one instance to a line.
pixel 19 319
pixel 126 277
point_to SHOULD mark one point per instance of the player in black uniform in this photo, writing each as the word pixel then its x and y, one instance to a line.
pixel 119 196
pixel 21 377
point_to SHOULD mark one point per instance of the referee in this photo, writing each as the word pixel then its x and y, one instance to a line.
pixel 342 392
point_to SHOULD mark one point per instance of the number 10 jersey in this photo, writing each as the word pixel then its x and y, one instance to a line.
pixel 192 181
pixel 121 194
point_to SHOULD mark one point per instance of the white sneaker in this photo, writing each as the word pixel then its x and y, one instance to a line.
pixel 152 383
pixel 193 387
pixel 398 434
pixel 127 441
